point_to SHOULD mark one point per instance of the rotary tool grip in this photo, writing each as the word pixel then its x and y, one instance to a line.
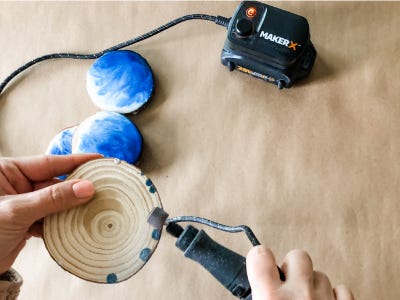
pixel 228 267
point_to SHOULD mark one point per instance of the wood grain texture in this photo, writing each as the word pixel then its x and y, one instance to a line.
pixel 108 239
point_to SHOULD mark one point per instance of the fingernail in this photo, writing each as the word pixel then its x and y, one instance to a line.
pixel 83 189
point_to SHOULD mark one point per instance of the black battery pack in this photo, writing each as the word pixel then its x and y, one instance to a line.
pixel 269 43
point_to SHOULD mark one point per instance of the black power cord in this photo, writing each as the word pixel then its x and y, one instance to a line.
pixel 159 218
pixel 232 229
pixel 219 20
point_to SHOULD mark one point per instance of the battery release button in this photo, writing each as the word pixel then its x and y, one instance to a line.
pixel 244 27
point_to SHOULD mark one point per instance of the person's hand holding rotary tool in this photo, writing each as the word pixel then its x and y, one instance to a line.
pixel 301 282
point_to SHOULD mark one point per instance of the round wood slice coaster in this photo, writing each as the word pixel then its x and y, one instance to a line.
pixel 108 239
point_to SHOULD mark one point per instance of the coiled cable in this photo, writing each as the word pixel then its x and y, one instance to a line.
pixel 222 21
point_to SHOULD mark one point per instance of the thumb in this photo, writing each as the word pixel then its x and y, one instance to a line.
pixel 262 272
pixel 52 199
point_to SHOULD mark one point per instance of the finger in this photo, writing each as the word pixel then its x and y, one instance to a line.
pixel 40 168
pixel 262 272
pixel 342 292
pixel 5 187
pixel 12 176
pixel 36 229
pixel 297 265
pixel 322 283
pixel 33 206
pixel 44 184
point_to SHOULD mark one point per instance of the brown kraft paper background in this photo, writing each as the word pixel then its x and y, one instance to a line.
pixel 314 167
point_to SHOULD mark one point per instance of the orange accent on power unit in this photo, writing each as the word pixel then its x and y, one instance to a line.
pixel 292 45
pixel 251 12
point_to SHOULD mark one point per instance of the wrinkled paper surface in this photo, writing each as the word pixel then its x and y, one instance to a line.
pixel 313 167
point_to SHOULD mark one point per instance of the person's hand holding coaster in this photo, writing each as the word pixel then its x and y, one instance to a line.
pixel 108 239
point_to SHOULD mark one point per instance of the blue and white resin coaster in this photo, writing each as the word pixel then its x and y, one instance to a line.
pixel 61 143
pixel 110 134
pixel 120 81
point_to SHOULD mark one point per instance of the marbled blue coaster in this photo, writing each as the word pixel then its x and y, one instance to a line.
pixel 110 134
pixel 61 144
pixel 120 81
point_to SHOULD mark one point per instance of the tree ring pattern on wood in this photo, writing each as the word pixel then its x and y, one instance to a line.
pixel 108 239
